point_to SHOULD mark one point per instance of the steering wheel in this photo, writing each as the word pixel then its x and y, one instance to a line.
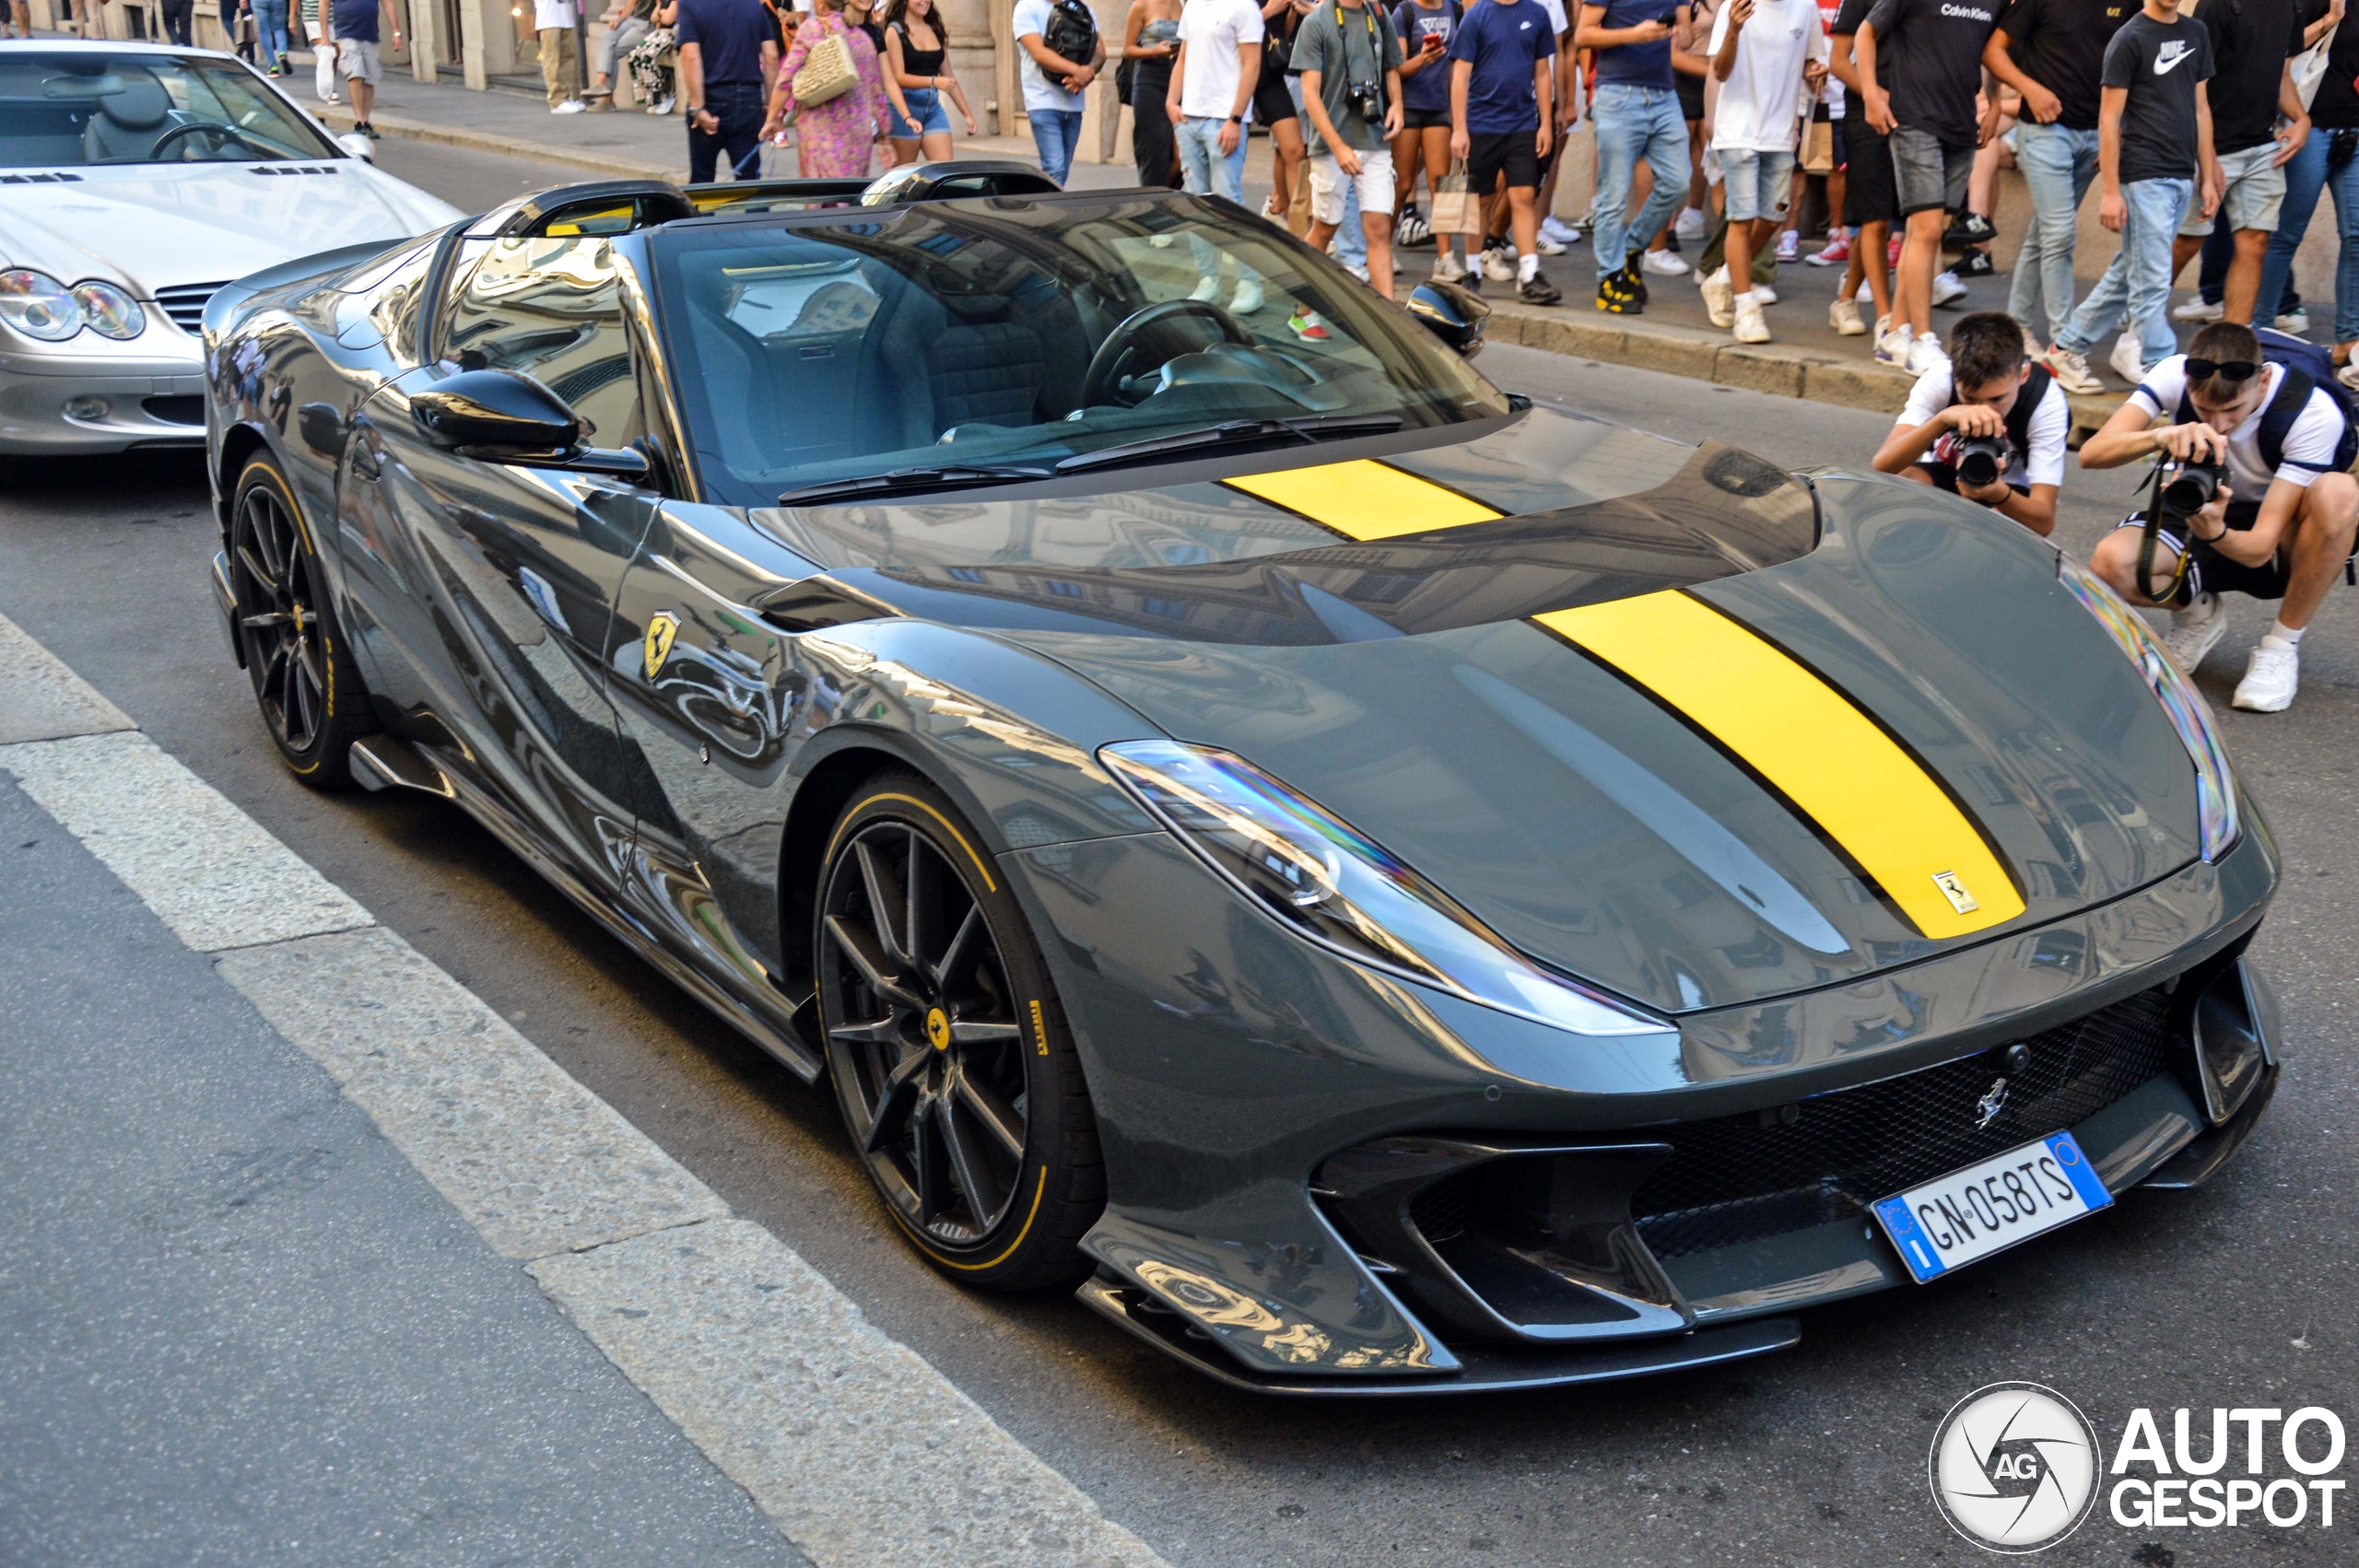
pixel 210 128
pixel 1098 383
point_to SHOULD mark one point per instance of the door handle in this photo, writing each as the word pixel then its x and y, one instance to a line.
pixel 363 462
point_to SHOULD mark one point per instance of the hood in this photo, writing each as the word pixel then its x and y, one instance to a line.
pixel 1721 841
pixel 203 223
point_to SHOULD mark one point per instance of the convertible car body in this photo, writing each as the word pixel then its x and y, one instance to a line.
pixel 135 181
pixel 1385 887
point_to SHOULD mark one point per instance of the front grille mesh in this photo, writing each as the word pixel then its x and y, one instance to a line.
pixel 185 304
pixel 1742 1179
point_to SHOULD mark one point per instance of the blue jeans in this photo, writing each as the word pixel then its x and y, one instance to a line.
pixel 2305 177
pixel 270 27
pixel 1055 132
pixel 2058 164
pixel 1635 122
pixel 2137 286
pixel 1208 171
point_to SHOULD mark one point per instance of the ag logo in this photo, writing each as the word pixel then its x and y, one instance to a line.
pixel 662 627
pixel 2014 1468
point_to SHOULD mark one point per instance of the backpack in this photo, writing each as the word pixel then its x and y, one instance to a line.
pixel 2027 402
pixel 2308 369
pixel 1071 32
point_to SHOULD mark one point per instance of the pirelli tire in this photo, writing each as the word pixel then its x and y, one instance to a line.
pixel 304 680
pixel 952 1065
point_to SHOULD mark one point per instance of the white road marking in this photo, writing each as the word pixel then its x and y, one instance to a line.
pixel 862 1454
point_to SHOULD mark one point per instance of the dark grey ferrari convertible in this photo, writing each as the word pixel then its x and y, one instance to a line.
pixel 1385 887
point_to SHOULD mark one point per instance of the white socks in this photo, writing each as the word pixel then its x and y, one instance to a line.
pixel 1527 266
pixel 2283 634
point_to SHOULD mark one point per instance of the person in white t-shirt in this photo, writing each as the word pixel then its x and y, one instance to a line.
pixel 1987 391
pixel 2281 523
pixel 1765 54
pixel 1055 86
pixel 553 20
pixel 1212 88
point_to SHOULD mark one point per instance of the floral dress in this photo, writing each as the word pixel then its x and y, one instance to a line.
pixel 834 137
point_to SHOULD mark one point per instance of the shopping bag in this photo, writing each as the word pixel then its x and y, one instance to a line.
pixel 1818 146
pixel 1457 210
pixel 2308 68
pixel 324 70
pixel 826 73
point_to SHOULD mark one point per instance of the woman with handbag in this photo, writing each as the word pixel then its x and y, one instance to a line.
pixel 650 63
pixel 830 84
pixel 917 72
pixel 1150 42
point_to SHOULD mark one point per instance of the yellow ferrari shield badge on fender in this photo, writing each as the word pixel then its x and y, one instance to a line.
pixel 662 627
pixel 1814 745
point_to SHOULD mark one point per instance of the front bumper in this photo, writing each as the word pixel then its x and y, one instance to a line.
pixel 152 398
pixel 1276 1139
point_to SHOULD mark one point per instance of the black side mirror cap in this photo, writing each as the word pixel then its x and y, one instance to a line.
pixel 625 463
pixel 497 415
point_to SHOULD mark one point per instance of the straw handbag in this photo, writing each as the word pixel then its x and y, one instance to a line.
pixel 826 73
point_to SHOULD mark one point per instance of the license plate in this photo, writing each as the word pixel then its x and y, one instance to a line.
pixel 1969 1214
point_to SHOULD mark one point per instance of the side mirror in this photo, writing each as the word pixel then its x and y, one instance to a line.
pixel 1454 315
pixel 357 145
pixel 497 414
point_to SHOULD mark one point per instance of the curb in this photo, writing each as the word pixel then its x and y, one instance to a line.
pixel 621 165
pixel 1810 375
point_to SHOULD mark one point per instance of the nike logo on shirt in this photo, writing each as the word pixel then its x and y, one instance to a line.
pixel 2168 56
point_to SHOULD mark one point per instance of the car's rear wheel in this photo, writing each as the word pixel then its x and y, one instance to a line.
pixel 304 681
pixel 953 1067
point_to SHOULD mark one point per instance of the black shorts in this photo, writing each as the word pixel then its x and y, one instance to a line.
pixel 1691 95
pixel 1271 102
pixel 1514 153
pixel 2208 571
pixel 1868 194
pixel 1425 118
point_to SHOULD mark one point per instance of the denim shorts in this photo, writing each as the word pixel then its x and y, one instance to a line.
pixel 1929 173
pixel 2255 190
pixel 926 116
pixel 1757 183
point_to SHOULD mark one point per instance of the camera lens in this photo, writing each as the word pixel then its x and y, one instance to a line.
pixel 2191 488
pixel 1982 462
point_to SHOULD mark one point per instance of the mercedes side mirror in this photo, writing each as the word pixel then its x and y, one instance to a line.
pixel 355 143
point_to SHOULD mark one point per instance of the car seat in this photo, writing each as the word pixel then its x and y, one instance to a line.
pixel 128 121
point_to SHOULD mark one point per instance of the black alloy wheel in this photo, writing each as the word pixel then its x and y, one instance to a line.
pixel 955 1071
pixel 303 678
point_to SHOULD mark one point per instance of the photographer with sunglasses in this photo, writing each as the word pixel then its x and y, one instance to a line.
pixel 2281 523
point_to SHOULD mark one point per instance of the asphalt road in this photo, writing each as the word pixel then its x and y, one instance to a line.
pixel 2235 1296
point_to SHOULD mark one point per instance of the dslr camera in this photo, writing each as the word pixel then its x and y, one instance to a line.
pixel 1368 102
pixel 1981 461
pixel 2188 488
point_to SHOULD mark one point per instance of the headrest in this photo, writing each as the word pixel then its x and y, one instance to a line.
pixel 141 104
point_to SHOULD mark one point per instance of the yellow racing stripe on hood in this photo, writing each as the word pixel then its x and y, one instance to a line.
pixel 1365 499
pixel 1807 739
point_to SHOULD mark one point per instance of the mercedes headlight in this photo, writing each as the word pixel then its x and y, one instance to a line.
pixel 39 305
pixel 108 312
pixel 2215 788
pixel 1315 874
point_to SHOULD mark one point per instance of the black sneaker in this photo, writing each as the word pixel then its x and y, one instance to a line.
pixel 1971 229
pixel 1613 302
pixel 1975 263
pixel 1637 277
pixel 1538 290
pixel 1623 286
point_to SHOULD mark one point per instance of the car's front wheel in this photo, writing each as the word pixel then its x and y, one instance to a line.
pixel 952 1063
pixel 303 676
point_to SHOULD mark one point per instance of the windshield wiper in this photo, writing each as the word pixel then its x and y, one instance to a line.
pixel 900 480
pixel 1318 426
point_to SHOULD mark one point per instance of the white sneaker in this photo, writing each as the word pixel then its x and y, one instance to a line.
pixel 1892 348
pixel 570 106
pixel 1763 294
pixel 1750 327
pixel 1865 295
pixel 1354 268
pixel 2033 348
pixel 1924 353
pixel 1690 225
pixel 1554 227
pixel 1548 247
pixel 2296 321
pixel 1844 317
pixel 1720 300
pixel 1270 210
pixel 1498 266
pixel 1449 269
pixel 1789 245
pixel 2197 310
pixel 2071 371
pixel 1946 288
pixel 1248 297
pixel 2349 375
pixel 2195 631
pixel 662 105
pixel 2128 359
pixel 1663 263
pixel 2270 679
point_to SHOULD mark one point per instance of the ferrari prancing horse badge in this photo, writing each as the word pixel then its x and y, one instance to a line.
pixel 662 627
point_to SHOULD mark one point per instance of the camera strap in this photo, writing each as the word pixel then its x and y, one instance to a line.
pixel 2152 534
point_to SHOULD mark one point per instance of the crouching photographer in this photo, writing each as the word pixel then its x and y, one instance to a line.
pixel 1988 424
pixel 2250 494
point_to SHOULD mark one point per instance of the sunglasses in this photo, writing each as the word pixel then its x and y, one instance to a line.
pixel 2226 369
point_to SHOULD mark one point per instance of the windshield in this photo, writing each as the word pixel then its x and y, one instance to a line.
pixel 953 339
pixel 72 110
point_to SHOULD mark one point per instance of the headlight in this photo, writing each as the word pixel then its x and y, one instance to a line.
pixel 109 310
pixel 1315 874
pixel 38 306
pixel 2215 788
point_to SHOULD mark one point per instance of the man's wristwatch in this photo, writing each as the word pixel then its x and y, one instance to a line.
pixel 1237 119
